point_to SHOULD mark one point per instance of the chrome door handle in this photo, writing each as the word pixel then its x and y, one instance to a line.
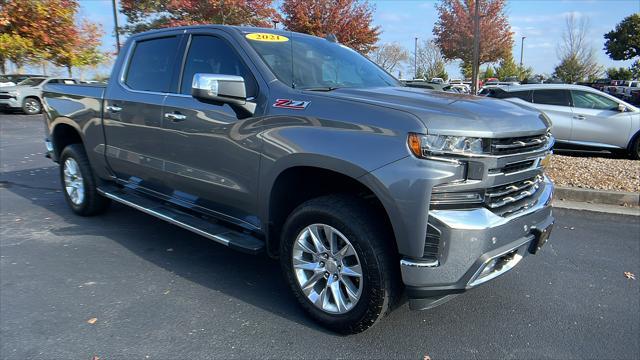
pixel 175 117
pixel 114 109
pixel 579 117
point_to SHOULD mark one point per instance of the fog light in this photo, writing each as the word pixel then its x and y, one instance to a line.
pixel 488 269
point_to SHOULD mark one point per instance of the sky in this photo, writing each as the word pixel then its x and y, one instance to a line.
pixel 541 21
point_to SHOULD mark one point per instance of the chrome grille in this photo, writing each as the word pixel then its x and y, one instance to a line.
pixel 516 145
pixel 509 198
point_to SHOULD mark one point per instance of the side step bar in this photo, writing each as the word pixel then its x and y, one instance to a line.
pixel 216 232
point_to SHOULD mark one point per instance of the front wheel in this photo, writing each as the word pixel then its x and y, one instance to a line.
pixel 31 106
pixel 339 262
pixel 79 185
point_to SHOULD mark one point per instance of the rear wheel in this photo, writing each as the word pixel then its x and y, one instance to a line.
pixel 635 149
pixel 80 190
pixel 338 261
pixel 31 106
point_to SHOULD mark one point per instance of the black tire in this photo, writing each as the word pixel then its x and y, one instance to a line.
pixel 31 106
pixel 373 243
pixel 634 152
pixel 93 203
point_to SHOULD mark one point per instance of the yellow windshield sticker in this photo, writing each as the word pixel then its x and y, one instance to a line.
pixel 266 37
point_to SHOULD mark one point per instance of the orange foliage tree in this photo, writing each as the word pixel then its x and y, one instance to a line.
pixel 454 30
pixel 349 20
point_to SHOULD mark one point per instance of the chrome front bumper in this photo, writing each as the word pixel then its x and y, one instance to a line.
pixel 472 240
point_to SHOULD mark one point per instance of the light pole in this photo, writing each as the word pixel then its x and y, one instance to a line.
pixel 415 59
pixel 522 49
pixel 115 21
pixel 475 67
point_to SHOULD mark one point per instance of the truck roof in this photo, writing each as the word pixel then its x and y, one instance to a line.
pixel 240 29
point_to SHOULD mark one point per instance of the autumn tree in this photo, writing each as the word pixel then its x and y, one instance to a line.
pixel 34 31
pixel 349 20
pixel 623 43
pixel 429 61
pixel 16 49
pixel 454 31
pixel 82 48
pixel 143 15
pixel 389 56
pixel 578 60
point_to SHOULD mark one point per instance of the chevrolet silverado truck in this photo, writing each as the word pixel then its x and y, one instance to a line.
pixel 371 194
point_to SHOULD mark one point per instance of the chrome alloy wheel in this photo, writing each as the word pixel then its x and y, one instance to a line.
pixel 73 184
pixel 327 268
pixel 32 106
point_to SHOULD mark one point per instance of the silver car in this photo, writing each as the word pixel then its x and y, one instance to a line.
pixel 27 95
pixel 582 117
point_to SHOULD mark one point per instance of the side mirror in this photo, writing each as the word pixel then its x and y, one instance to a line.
pixel 228 89
pixel 622 108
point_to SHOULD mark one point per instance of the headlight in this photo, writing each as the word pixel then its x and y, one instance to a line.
pixel 427 145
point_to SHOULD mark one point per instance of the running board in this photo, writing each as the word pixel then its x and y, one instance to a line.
pixel 216 232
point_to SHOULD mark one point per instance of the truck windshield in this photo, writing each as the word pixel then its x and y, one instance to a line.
pixel 31 82
pixel 305 62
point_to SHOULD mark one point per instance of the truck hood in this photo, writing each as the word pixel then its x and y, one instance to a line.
pixel 13 88
pixel 455 114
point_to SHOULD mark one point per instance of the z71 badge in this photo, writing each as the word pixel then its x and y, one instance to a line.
pixel 291 104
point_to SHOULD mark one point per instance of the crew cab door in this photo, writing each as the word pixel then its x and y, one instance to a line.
pixel 133 110
pixel 211 152
pixel 556 104
pixel 596 119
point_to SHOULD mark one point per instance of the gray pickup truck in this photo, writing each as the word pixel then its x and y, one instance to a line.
pixel 368 192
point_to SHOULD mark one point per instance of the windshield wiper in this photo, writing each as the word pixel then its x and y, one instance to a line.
pixel 321 88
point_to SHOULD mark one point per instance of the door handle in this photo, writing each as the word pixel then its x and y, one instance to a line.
pixel 114 109
pixel 175 116
pixel 579 117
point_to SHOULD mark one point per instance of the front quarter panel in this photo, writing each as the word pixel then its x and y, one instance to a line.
pixel 347 137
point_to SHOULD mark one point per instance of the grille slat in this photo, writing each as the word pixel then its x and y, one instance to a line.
pixel 515 145
pixel 510 198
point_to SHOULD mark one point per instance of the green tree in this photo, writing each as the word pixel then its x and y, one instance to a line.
pixel 507 67
pixel 524 73
pixel 620 73
pixel 635 69
pixel 623 43
pixel 488 73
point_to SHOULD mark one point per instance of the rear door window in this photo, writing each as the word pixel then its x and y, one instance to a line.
pixel 152 63
pixel 589 100
pixel 557 97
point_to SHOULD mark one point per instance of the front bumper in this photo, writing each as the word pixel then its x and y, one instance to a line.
pixel 10 103
pixel 472 240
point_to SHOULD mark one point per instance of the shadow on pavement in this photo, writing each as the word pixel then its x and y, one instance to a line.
pixel 256 280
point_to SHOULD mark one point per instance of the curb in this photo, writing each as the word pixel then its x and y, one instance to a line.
pixel 621 198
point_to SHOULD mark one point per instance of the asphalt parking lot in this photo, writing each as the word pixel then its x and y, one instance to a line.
pixel 125 285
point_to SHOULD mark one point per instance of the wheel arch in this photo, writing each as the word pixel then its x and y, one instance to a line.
pixel 298 183
pixel 63 134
